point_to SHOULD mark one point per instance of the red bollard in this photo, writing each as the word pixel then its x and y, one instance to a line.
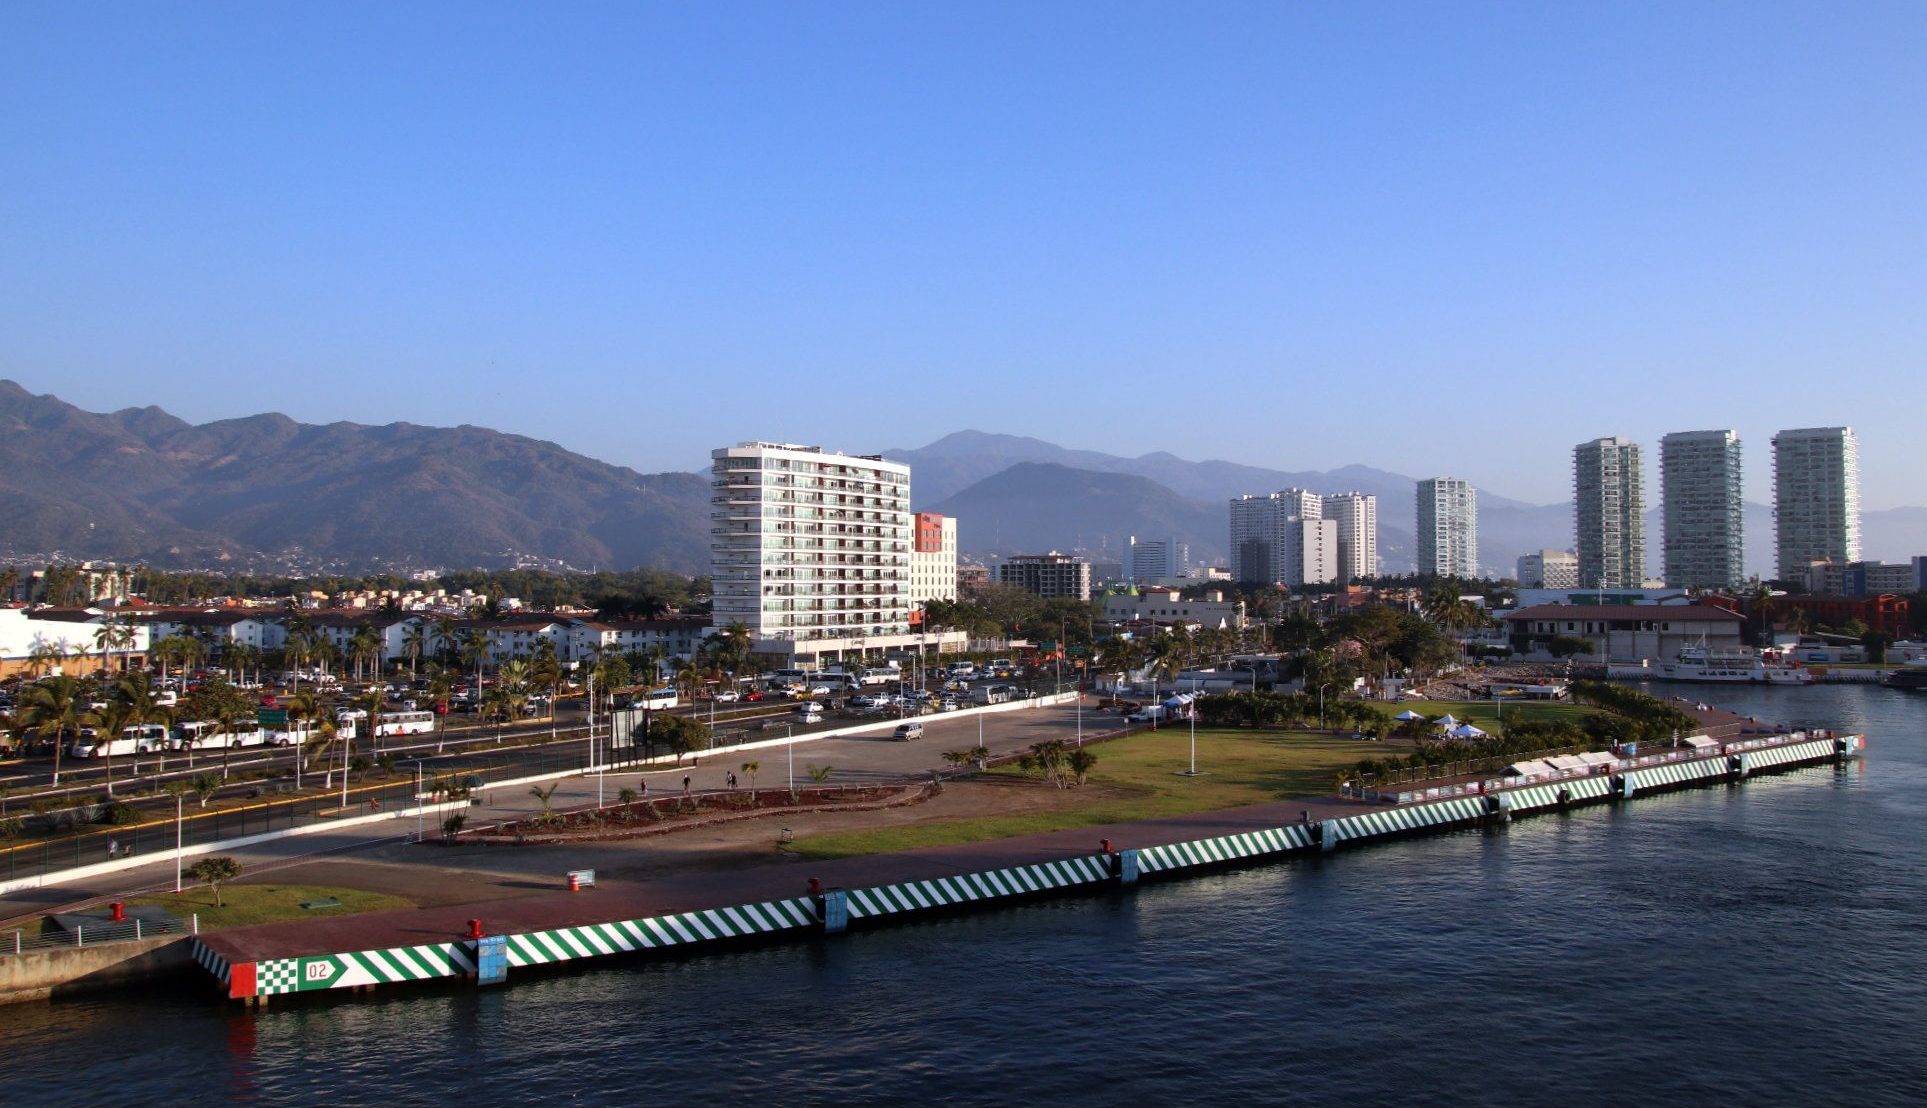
pixel 575 883
pixel 120 911
pixel 816 887
pixel 474 929
pixel 1107 846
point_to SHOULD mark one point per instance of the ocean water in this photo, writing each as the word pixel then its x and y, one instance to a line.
pixel 1760 944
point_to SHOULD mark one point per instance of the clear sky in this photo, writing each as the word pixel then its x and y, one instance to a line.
pixel 1434 238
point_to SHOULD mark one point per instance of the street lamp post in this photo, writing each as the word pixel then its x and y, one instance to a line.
pixel 178 798
pixel 1321 704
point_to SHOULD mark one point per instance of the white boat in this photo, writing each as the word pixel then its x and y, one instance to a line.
pixel 1740 667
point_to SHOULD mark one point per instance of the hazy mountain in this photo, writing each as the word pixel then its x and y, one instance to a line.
pixel 1034 507
pixel 959 460
pixel 142 484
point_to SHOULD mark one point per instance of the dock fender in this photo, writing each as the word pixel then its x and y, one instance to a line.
pixel 1127 866
pixel 1736 765
pixel 1494 802
pixel 1502 807
pixel 1623 787
pixel 1564 797
pixel 1325 834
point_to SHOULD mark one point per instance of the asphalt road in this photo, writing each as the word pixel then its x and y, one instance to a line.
pixel 872 757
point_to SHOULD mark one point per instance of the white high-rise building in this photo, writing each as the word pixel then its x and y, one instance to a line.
pixel 1356 514
pixel 1152 559
pixel 1816 498
pixel 1283 537
pixel 1448 527
pixel 1699 477
pixel 933 559
pixel 812 550
pixel 1549 569
pixel 1609 503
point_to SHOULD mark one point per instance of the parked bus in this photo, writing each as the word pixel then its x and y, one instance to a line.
pixel 142 739
pixel 405 723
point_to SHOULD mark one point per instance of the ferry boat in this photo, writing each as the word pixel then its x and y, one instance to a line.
pixel 1698 663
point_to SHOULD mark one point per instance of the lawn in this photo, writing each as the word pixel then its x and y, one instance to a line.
pixel 1138 778
pixel 243 905
pixel 1486 715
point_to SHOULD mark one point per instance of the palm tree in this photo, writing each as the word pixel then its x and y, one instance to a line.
pixel 546 797
pixel 110 636
pixel 413 640
pixel 53 703
pixel 373 699
pixel 446 639
pixel 109 721
pixel 474 651
pixel 364 650
pixel 136 691
pixel 244 658
pixel 749 771
pixel 545 672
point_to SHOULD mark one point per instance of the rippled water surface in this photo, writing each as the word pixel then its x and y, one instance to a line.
pixel 1760 944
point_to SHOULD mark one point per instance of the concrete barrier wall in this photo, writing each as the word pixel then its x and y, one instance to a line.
pixel 97 869
pixel 61 971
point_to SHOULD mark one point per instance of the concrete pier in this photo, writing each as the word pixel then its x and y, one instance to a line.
pixel 490 942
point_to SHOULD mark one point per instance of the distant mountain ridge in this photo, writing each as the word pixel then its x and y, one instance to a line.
pixel 266 492
pixel 140 484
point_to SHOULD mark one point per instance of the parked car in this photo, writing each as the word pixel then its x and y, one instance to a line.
pixel 728 696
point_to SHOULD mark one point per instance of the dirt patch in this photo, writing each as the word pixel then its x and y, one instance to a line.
pixel 433 875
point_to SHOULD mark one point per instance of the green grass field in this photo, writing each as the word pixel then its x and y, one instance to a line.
pixel 1488 715
pixel 243 905
pixel 1238 767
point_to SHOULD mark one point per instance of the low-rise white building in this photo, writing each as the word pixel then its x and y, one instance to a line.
pixel 1626 632
pixel 1161 606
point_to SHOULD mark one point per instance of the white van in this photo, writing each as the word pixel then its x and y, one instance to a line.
pixel 906 731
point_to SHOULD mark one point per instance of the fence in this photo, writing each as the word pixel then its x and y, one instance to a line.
pixel 17 940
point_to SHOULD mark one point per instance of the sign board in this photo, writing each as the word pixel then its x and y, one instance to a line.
pixel 272 717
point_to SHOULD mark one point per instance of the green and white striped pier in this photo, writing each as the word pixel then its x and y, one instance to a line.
pixel 487 958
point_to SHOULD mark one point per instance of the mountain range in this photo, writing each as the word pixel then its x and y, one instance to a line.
pixel 268 493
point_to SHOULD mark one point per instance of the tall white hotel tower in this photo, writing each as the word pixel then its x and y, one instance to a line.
pixel 1699 477
pixel 1448 527
pixel 1816 498
pixel 1608 499
pixel 811 550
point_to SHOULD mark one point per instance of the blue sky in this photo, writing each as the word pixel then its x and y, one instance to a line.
pixel 1433 238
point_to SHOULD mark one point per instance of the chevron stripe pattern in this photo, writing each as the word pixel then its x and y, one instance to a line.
pixel 914 896
pixel 1392 821
pixel 1535 797
pixel 366 967
pixel 1230 848
pixel 1678 773
pixel 1817 750
pixel 540 948
pixel 211 962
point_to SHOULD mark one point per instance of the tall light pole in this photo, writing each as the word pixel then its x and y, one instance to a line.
pixel 1321 704
pixel 789 748
pixel 178 797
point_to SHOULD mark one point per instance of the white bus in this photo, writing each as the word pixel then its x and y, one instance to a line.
pixel 879 676
pixel 206 734
pixel 405 723
pixel 143 739
pixel 656 700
